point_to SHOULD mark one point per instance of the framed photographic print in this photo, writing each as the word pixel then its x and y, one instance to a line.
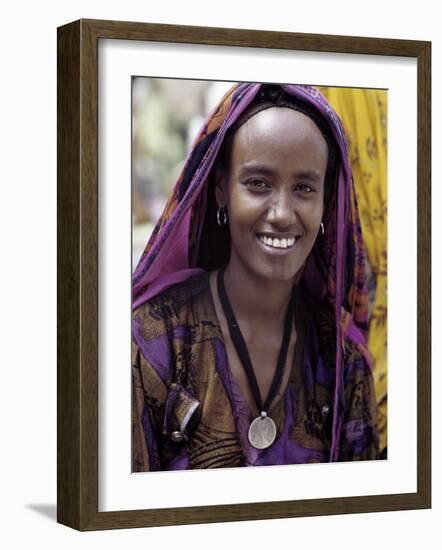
pixel 228 200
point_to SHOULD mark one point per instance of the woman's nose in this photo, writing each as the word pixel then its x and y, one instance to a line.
pixel 282 211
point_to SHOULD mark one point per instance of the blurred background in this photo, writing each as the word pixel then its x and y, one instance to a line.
pixel 167 115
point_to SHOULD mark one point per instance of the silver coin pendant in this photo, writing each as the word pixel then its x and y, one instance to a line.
pixel 262 432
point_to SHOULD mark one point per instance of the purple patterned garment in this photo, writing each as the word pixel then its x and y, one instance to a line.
pixel 183 385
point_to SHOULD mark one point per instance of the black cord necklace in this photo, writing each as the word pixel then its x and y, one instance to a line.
pixel 262 430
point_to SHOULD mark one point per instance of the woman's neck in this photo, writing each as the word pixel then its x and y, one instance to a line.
pixel 260 303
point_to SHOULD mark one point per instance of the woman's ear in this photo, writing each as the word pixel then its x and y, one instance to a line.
pixel 220 187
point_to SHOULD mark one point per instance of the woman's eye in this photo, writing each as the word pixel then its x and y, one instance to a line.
pixel 257 184
pixel 304 188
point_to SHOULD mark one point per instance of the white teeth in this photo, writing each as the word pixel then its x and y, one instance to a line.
pixel 277 243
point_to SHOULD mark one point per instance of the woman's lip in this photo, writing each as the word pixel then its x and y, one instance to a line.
pixel 276 251
pixel 279 235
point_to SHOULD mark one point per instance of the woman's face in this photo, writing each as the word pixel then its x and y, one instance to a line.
pixel 274 192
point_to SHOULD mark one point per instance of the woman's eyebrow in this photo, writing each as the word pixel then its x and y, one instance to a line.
pixel 253 168
pixel 311 175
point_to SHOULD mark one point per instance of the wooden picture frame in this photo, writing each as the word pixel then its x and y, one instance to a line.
pixel 77 224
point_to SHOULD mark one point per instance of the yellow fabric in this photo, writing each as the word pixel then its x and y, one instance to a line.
pixel 364 115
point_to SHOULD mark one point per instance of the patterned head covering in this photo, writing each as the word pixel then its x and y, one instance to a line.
pixel 185 236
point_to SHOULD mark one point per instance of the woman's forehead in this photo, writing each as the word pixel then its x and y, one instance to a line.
pixel 281 130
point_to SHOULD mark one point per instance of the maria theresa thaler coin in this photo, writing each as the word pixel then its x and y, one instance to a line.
pixel 262 432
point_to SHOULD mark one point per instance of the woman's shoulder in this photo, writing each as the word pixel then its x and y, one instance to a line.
pixel 321 314
pixel 174 304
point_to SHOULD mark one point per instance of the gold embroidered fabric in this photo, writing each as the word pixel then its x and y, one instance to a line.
pixel 364 115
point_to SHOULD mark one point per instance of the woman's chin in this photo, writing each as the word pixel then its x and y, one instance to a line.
pixel 273 268
pixel 277 274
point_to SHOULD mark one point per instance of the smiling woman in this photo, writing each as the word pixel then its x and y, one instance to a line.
pixel 273 187
pixel 250 300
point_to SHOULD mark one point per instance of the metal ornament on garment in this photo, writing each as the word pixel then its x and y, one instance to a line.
pixel 262 430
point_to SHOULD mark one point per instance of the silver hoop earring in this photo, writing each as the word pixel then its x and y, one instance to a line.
pixel 221 216
pixel 322 228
